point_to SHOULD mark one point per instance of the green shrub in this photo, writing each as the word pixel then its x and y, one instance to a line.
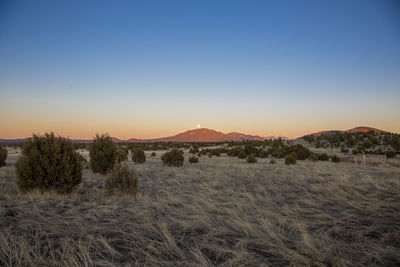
pixel 291 159
pixel 122 154
pixel 103 154
pixel 3 155
pixel 242 154
pixel 153 154
pixel 174 157
pixel 323 157
pixel 138 155
pixel 344 150
pixel 335 159
pixel 301 151
pixel 390 154
pixel 193 159
pixel 313 157
pixel 251 158
pixel 194 150
pixel 121 180
pixel 262 153
pixel 48 163
pixel 85 163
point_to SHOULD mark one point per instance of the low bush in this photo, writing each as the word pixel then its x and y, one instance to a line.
pixel 313 157
pixel 251 158
pixel 194 150
pixel 48 163
pixel 272 161
pixel 291 159
pixel 121 180
pixel 85 162
pixel 242 154
pixel 390 154
pixel 138 155
pixel 122 154
pixel 344 150
pixel 323 157
pixel 3 155
pixel 193 159
pixel 153 154
pixel 174 157
pixel 335 159
pixel 103 154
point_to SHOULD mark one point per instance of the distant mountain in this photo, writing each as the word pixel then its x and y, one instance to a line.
pixel 13 141
pixel 360 129
pixel 206 135
pixel 191 136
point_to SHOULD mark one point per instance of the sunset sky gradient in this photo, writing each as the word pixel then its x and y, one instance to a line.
pixel 147 69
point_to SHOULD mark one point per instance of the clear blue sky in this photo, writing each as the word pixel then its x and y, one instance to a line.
pixel 154 68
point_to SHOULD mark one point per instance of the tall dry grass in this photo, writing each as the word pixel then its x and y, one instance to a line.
pixel 221 211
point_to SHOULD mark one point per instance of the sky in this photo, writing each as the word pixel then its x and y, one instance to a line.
pixel 146 69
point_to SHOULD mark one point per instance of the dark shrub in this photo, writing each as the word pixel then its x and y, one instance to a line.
pixel 242 154
pixel 49 164
pixel 138 155
pixel 193 159
pixel 174 157
pixel 103 154
pixel 121 180
pixel 313 157
pixel 272 161
pixel 262 153
pixel 3 155
pixel 323 157
pixel 194 150
pixel 122 154
pixel 390 154
pixel 301 151
pixel 344 150
pixel 85 163
pixel 291 159
pixel 250 149
pixel 153 154
pixel 251 158
pixel 335 159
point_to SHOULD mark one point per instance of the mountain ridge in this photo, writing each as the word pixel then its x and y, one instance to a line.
pixel 202 135
pixel 358 129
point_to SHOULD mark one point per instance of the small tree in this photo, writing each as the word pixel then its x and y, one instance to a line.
pixel 251 158
pixel 194 150
pixel 323 157
pixel 103 154
pixel 242 154
pixel 291 159
pixel 153 154
pixel 193 159
pixel 138 155
pixel 121 180
pixel 3 155
pixel 122 154
pixel 174 157
pixel 49 164
pixel 335 159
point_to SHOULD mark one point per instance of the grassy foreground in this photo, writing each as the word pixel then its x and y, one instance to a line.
pixel 221 211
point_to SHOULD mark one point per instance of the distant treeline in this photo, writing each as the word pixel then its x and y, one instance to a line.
pixel 359 143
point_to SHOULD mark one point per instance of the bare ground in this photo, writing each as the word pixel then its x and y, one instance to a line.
pixel 221 211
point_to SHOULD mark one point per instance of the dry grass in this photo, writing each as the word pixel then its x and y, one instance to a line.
pixel 221 211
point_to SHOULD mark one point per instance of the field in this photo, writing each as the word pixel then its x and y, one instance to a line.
pixel 221 211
